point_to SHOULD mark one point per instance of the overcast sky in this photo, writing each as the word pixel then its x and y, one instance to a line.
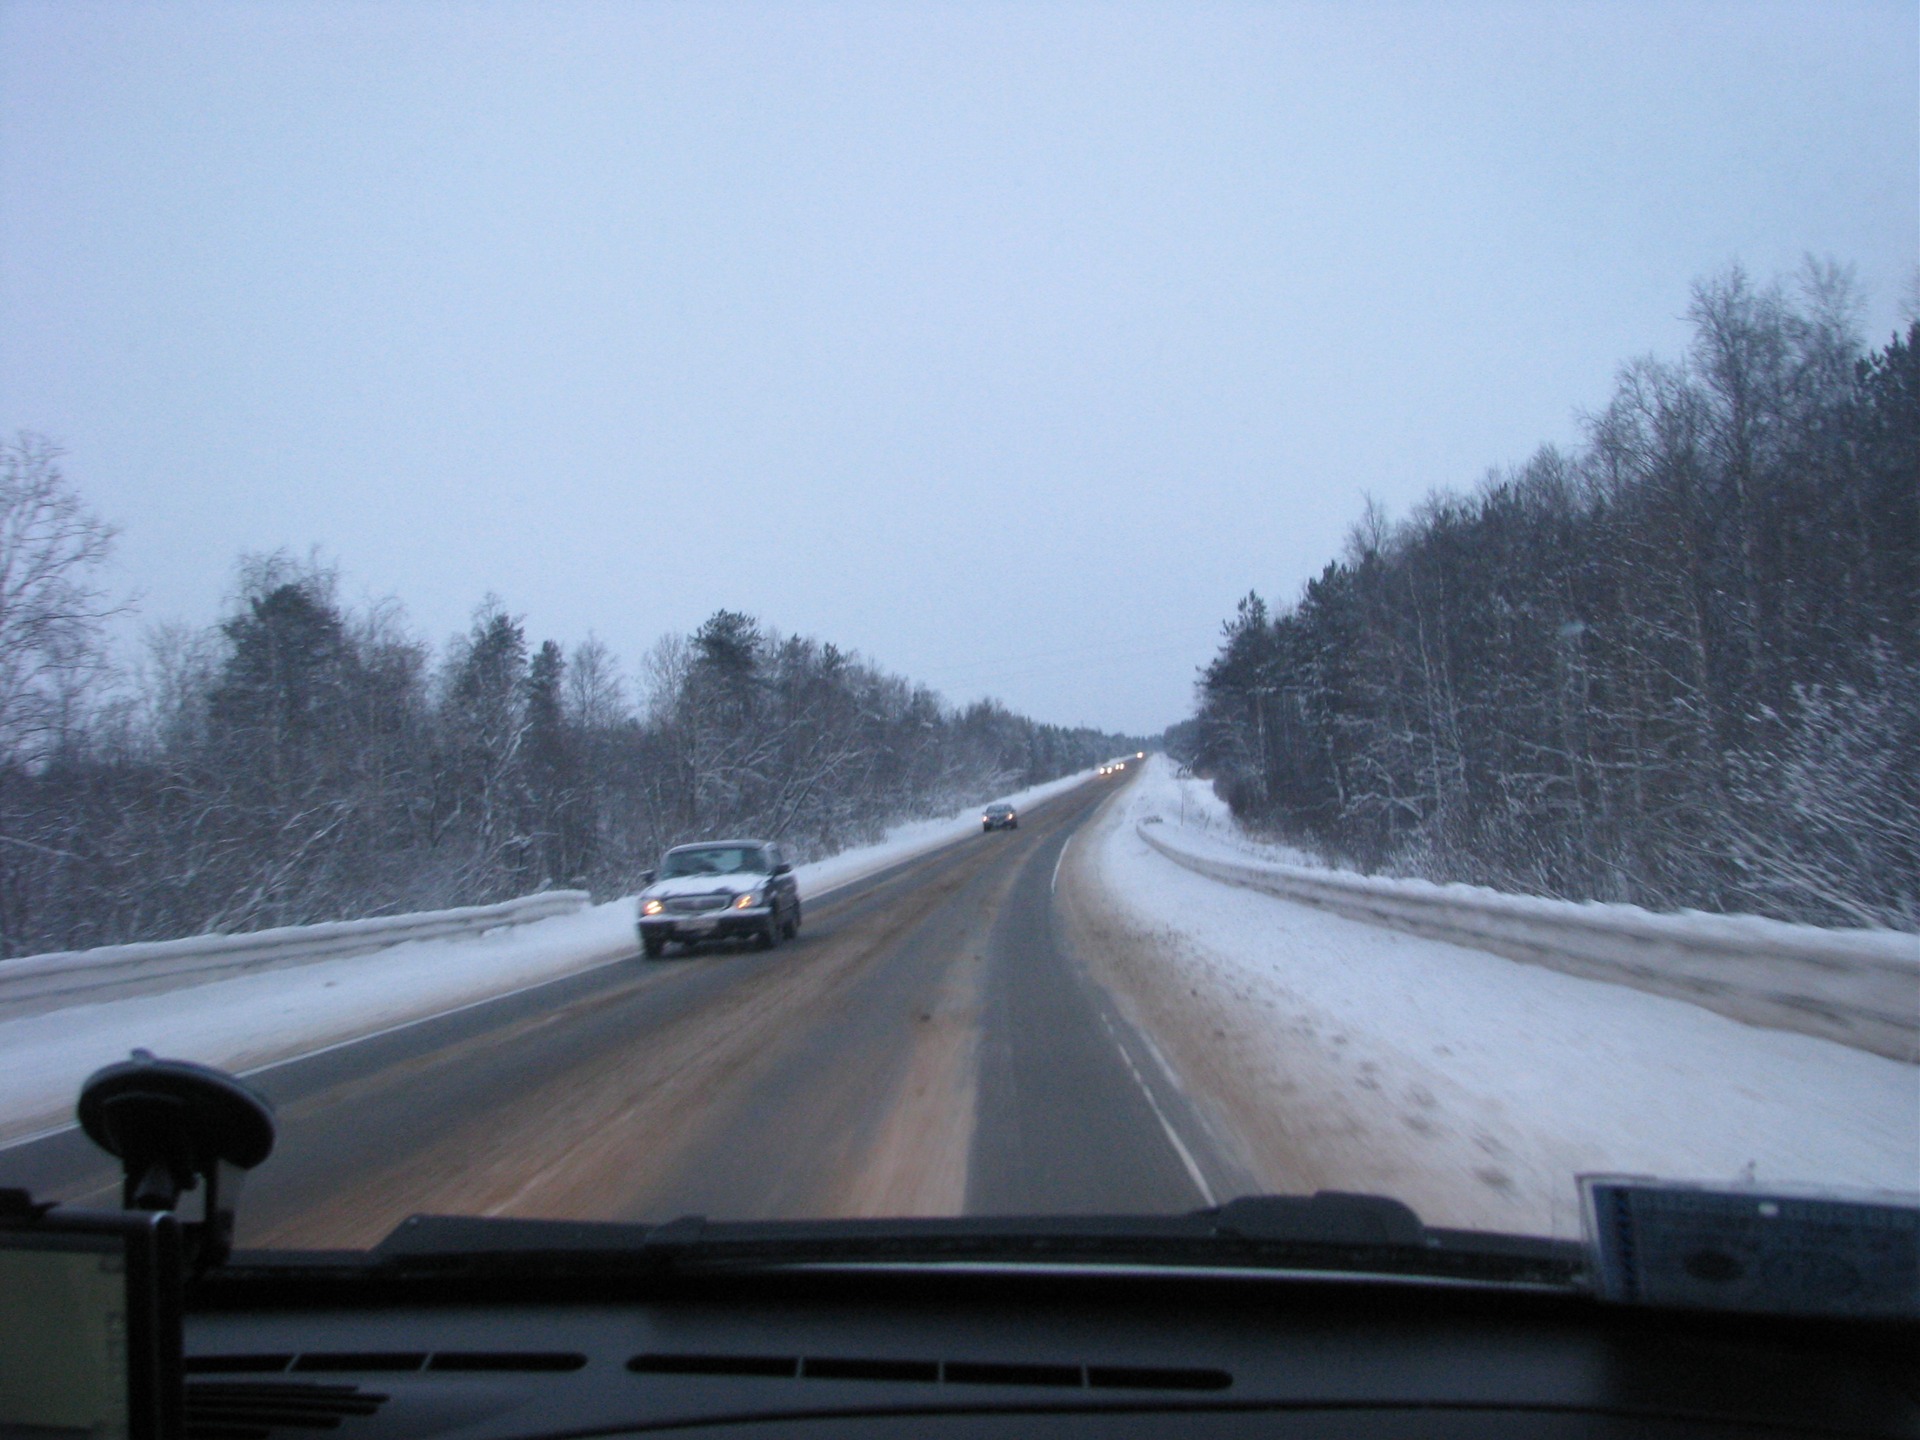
pixel 1008 345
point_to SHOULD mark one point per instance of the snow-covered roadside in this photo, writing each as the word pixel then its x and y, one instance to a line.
pixel 1336 1054
pixel 1203 817
pixel 248 1021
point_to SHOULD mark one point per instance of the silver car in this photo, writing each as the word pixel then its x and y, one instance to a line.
pixel 719 890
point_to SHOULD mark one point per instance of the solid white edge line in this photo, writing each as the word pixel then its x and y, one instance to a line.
pixel 1180 1146
pixel 329 1048
pixel 1194 1173
pixel 395 1029
pixel 1053 885
pixel 39 1135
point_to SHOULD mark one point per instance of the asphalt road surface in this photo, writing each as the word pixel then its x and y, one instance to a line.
pixel 928 1046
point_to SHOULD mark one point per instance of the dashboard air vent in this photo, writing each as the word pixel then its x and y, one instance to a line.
pixel 236 1364
pixel 525 1362
pixel 968 1372
pixel 360 1361
pixel 924 1372
pixel 519 1362
pixel 1155 1377
pixel 932 1372
pixel 255 1409
pixel 776 1367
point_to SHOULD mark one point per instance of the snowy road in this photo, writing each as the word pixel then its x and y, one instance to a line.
pixel 273 1015
pixel 1055 1018
pixel 925 1048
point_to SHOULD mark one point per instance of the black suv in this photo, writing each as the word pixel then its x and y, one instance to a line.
pixel 719 890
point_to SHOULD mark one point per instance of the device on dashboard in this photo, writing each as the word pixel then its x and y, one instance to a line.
pixel 90 1307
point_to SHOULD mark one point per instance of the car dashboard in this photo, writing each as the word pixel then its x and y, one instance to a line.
pixel 1689 1312
pixel 967 1351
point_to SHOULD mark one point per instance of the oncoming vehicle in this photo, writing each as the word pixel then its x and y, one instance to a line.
pixel 719 890
pixel 999 817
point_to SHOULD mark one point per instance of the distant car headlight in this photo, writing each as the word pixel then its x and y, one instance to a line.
pixel 746 901
pixel 651 907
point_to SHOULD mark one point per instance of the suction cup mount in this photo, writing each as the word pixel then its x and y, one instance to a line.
pixel 176 1126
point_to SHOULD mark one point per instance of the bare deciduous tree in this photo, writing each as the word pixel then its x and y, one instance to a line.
pixel 52 606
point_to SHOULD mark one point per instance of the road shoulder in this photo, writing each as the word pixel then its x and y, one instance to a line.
pixel 1338 1054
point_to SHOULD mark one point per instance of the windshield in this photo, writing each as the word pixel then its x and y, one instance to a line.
pixel 1411 505
pixel 715 860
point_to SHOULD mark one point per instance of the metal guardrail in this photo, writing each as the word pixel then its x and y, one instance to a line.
pixel 1859 987
pixel 36 983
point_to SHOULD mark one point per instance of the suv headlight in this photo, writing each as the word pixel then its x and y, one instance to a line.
pixel 651 907
pixel 747 901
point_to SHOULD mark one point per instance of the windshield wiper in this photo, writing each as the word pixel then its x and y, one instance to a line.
pixel 1328 1233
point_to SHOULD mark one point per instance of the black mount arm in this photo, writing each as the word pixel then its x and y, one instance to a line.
pixel 176 1126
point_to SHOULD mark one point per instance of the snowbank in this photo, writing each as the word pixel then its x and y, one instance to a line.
pixel 50 981
pixel 1860 987
pixel 249 1021
pixel 1337 1054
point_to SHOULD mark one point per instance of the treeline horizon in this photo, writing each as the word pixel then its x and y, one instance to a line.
pixel 1677 665
pixel 303 760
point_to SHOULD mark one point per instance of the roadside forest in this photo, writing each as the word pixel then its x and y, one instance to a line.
pixel 303 760
pixel 1678 665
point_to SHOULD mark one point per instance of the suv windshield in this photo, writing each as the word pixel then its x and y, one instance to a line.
pixel 1412 502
